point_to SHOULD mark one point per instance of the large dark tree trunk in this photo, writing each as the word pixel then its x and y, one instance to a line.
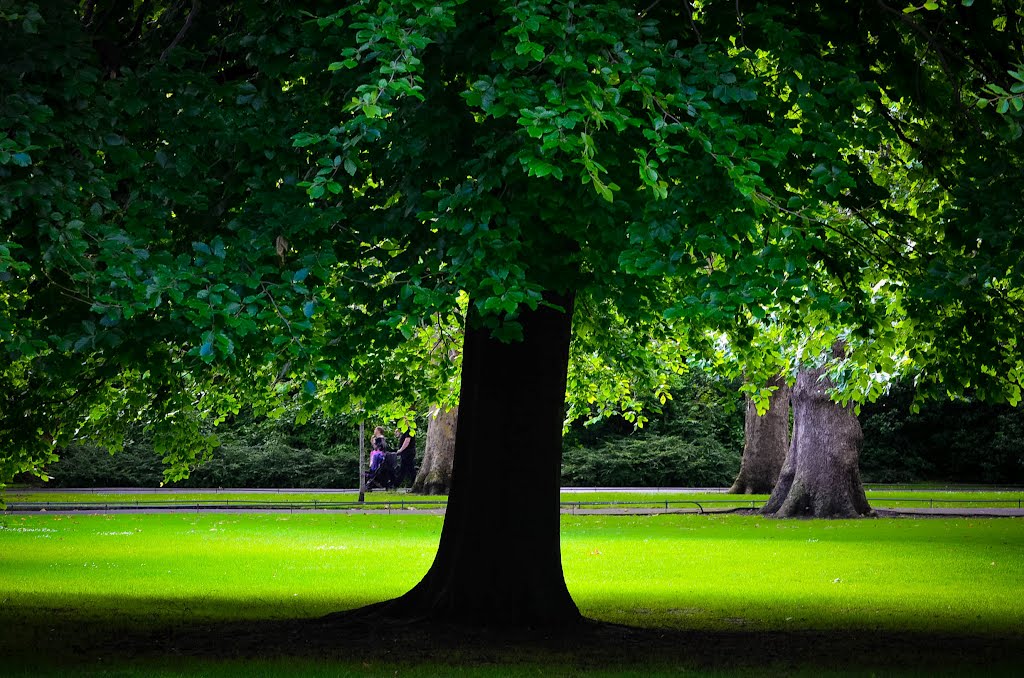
pixel 766 442
pixel 435 474
pixel 820 478
pixel 499 561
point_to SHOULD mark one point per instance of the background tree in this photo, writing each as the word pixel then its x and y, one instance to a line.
pixel 820 477
pixel 765 442
pixel 435 472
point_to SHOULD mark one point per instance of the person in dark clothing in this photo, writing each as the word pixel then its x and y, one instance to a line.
pixel 378 448
pixel 382 464
pixel 406 458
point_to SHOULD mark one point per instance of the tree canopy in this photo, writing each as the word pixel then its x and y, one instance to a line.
pixel 205 204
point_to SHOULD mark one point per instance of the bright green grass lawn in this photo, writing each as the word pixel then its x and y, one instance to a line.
pixel 731 571
pixel 97 575
pixel 669 570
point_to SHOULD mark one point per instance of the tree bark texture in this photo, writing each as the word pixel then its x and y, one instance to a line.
pixel 820 477
pixel 435 474
pixel 499 561
pixel 765 443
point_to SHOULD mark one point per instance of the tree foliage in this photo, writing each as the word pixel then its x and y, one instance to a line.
pixel 211 204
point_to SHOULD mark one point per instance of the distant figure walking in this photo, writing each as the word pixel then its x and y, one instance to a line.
pixel 382 463
pixel 406 458
pixel 378 448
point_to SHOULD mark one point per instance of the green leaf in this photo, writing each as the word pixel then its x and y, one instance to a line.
pixel 300 275
pixel 305 139
pixel 527 47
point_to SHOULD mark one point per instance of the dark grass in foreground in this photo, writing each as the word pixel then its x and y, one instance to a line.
pixel 354 647
pixel 215 595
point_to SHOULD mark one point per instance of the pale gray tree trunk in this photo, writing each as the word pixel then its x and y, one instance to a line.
pixel 435 474
pixel 820 478
pixel 765 443
pixel 362 462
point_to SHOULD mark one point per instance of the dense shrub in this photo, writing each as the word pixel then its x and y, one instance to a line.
pixel 962 442
pixel 695 441
pixel 233 465
pixel 278 466
pixel 651 461
pixel 92 466
pixel 255 452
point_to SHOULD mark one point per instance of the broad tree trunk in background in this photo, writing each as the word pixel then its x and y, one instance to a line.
pixel 435 474
pixel 499 561
pixel 765 443
pixel 820 478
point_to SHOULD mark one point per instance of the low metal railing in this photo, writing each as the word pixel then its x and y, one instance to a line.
pixel 667 504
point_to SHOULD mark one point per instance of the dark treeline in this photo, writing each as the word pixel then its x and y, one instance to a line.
pixel 950 441
pixel 696 441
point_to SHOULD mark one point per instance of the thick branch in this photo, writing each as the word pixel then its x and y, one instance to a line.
pixel 184 29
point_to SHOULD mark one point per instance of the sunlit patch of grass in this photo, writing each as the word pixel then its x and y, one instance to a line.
pixel 211 567
pixel 751 573
pixel 69 583
pixel 675 571
pixel 94 576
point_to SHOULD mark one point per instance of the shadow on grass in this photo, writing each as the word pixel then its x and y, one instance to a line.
pixel 52 643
